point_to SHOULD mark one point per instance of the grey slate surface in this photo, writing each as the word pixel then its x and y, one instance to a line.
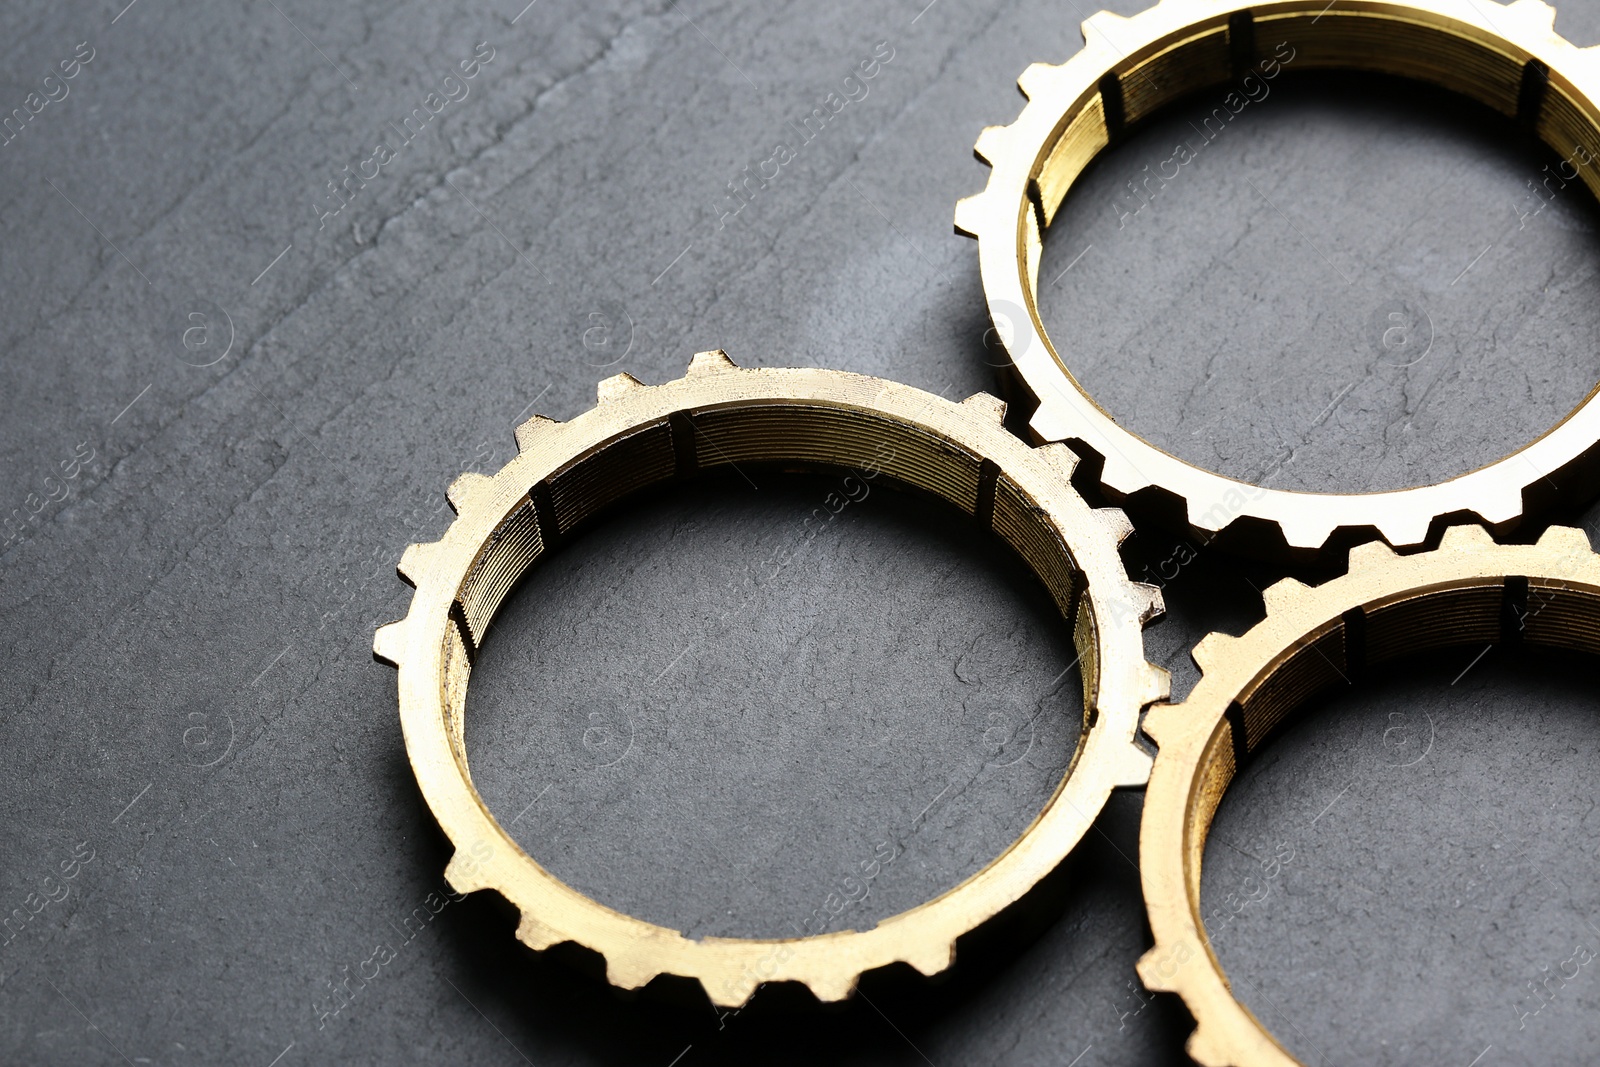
pixel 258 414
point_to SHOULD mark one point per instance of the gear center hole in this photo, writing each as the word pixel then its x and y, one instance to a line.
pixel 782 728
pixel 1425 928
pixel 1353 283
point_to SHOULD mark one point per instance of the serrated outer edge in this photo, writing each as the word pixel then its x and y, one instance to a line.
pixel 1282 592
pixel 829 964
pixel 1036 78
pixel 1181 961
pixel 712 361
pixel 1537 13
pixel 1370 554
pixel 469 489
pixel 1116 522
pixel 617 387
pixel 532 431
pixel 991 143
pixel 1466 537
pixel 1152 603
pixel 1307 521
pixel 992 406
pixel 1210 649
pixel 1106 29
pixel 416 559
pixel 388 642
pixel 1064 458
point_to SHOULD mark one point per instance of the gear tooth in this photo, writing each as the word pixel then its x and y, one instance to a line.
pixel 414 561
pixel 1151 604
pixel 1305 529
pixel 1116 520
pixel 1103 23
pixel 930 960
pixel 388 642
pixel 1370 554
pixel 535 934
pixel 629 972
pixel 1534 12
pixel 1207 654
pixel 1132 766
pixel 1501 507
pixel 1149 966
pixel 1033 81
pixel 969 211
pixel 1566 539
pixel 1121 476
pixel 1467 536
pixel 1204 1049
pixel 1160 724
pixel 1047 423
pixel 991 144
pixel 991 406
pixel 1407 529
pixel 616 387
pixel 1279 595
pixel 732 992
pixel 714 361
pixel 833 987
pixel 529 433
pixel 1145 965
pixel 1157 683
pixel 464 874
pixel 1061 457
pixel 468 488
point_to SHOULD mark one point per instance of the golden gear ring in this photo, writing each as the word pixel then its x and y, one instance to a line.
pixel 1468 591
pixel 719 416
pixel 1509 58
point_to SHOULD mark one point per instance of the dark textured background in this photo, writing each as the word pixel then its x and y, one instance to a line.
pixel 189 694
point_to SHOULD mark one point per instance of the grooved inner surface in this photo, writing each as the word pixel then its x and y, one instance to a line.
pixel 868 449
pixel 1363 920
pixel 669 763
pixel 947 767
pixel 820 436
pixel 1353 261
pixel 1432 725
pixel 1324 37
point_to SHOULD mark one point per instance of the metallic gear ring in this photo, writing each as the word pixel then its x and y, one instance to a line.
pixel 1509 58
pixel 1468 591
pixel 716 416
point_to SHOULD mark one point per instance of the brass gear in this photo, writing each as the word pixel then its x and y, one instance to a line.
pixel 1468 591
pixel 721 415
pixel 1509 58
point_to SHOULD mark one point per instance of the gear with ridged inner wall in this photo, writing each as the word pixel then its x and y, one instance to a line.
pixel 1469 591
pixel 720 415
pixel 1507 57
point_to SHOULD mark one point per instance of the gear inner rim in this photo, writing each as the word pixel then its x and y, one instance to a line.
pixel 1367 37
pixel 770 434
pixel 639 434
pixel 1553 613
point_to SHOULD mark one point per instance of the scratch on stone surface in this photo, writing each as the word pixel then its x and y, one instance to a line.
pixel 841 173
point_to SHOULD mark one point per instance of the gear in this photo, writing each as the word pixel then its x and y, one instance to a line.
pixel 1468 591
pixel 1509 58
pixel 718 416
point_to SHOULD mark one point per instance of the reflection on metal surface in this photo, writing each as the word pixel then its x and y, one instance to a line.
pixel 720 416
pixel 1469 591
pixel 1508 58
